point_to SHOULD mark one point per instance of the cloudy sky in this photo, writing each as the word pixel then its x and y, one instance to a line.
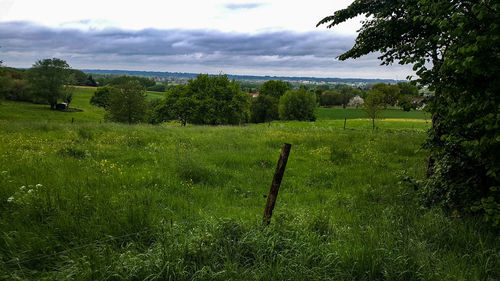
pixel 258 37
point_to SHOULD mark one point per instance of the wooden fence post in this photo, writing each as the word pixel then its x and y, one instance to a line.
pixel 345 120
pixel 275 185
pixel 72 120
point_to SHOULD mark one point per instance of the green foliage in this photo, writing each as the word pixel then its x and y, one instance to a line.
pixel 274 88
pixel 453 47
pixel 48 77
pixel 390 92
pixel 127 104
pixel 101 96
pixel 13 85
pixel 347 93
pixel 330 98
pixel 211 100
pixel 78 77
pixel 407 89
pixel 373 105
pixel 297 105
pixel 120 80
pixel 157 88
pixel 263 109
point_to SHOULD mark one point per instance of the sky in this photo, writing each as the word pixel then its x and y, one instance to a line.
pixel 217 36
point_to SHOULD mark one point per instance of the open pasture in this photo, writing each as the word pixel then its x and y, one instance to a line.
pixel 104 201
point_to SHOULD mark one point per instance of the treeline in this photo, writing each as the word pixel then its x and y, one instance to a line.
pixel 403 94
pixel 46 81
pixel 147 83
pixel 29 84
pixel 206 100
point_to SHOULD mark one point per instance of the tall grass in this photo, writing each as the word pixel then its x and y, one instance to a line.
pixel 90 201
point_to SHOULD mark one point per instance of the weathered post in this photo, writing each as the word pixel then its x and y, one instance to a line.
pixel 275 185
pixel 345 120
pixel 72 120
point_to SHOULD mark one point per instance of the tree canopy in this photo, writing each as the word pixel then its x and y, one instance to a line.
pixel 297 105
pixel 211 100
pixel 127 103
pixel 48 78
pixel 274 88
pixel 454 48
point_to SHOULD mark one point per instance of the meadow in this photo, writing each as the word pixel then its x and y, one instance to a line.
pixel 93 200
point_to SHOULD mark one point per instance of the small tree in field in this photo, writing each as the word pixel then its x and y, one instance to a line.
pixel 128 103
pixel 48 78
pixel 373 105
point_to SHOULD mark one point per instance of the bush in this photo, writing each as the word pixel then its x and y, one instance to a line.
pixel 297 105
pixel 101 96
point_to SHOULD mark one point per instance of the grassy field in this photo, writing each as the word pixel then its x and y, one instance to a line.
pixel 338 113
pixel 104 201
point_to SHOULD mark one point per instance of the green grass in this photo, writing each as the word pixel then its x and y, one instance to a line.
pixel 338 113
pixel 10 110
pixel 140 202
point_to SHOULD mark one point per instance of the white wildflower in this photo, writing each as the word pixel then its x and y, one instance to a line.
pixel 31 190
pixel 4 172
pixel 10 199
pixel 22 187
pixel 38 185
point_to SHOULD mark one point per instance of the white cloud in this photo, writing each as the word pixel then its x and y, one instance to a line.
pixel 251 17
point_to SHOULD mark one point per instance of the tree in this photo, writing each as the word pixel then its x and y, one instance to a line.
pixel 454 48
pixel 90 81
pixel 330 98
pixel 177 105
pixel 407 89
pixel 407 92
pixel 101 96
pixel 263 109
pixel 210 100
pixel 391 93
pixel 48 77
pixel 373 105
pixel 297 105
pixel 127 103
pixel 13 85
pixel 274 88
pixel 356 101
pixel 347 93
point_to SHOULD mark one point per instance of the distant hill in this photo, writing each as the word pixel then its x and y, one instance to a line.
pixel 239 77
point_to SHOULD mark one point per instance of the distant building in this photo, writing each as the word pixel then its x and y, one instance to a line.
pixel 254 95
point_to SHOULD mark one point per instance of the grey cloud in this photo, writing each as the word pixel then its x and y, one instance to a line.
pixel 184 50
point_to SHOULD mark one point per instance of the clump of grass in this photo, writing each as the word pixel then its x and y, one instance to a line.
pixel 73 151
pixel 339 154
pixel 85 133
pixel 193 171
